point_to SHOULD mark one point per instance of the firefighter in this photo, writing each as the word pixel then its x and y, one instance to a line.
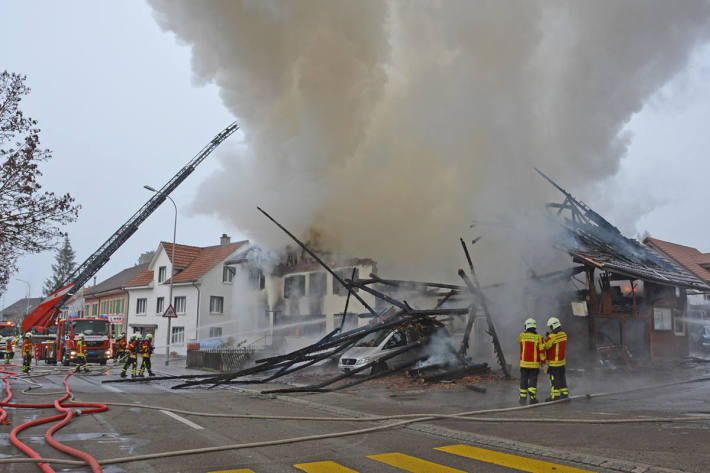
pixel 120 348
pixel 9 354
pixel 555 347
pixel 532 354
pixel 132 350
pixel 27 349
pixel 81 354
pixel 146 351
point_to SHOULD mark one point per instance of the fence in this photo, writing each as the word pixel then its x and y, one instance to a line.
pixel 219 359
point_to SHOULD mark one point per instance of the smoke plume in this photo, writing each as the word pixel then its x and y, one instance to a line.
pixel 392 126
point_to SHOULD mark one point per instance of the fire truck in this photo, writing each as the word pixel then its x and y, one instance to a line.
pixel 57 336
pixel 96 335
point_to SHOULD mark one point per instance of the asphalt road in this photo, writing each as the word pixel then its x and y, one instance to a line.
pixel 445 446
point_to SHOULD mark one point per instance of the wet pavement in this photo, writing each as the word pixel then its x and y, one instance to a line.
pixel 129 431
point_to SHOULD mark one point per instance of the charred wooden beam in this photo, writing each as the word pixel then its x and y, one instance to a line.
pixel 491 327
pixel 414 284
pixel 347 301
pixel 458 373
pixel 320 261
pixel 380 374
pixel 467 331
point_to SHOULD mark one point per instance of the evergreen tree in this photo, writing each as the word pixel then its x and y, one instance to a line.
pixel 62 269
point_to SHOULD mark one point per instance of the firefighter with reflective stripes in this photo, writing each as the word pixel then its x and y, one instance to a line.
pixel 555 348
pixel 532 354
pixel 27 350
pixel 132 349
pixel 146 351
pixel 81 354
pixel 120 348
pixel 9 344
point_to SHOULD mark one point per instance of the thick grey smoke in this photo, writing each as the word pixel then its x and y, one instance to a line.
pixel 391 126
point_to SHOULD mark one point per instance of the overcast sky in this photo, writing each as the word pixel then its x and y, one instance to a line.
pixel 116 103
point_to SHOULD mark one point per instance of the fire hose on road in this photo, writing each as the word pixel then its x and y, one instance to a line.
pixel 401 420
pixel 65 417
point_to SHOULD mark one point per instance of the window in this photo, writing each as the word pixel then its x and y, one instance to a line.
pixel 227 274
pixel 661 318
pixel 141 304
pixel 294 286
pixel 161 273
pixel 256 279
pixel 347 273
pixel 177 335
pixel 95 308
pixel 180 303
pixel 159 305
pixel 119 309
pixel 678 326
pixel 215 332
pixel 316 284
pixel 86 310
pixel 216 304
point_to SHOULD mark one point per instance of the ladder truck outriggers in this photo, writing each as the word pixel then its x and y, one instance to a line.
pixel 57 335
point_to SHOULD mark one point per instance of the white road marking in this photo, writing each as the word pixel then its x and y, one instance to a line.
pixel 108 387
pixel 182 419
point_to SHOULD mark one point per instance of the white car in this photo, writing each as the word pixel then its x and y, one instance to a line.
pixel 374 346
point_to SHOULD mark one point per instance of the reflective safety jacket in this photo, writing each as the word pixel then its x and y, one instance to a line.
pixel 122 344
pixel 146 349
pixel 133 348
pixel 27 347
pixel 80 348
pixel 556 346
pixel 532 350
pixel 8 345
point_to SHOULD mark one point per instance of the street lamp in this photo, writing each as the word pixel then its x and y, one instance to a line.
pixel 172 274
pixel 27 297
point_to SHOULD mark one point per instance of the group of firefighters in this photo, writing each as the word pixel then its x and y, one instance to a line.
pixel 535 352
pixel 125 352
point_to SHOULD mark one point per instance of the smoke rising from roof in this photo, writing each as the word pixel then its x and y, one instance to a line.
pixel 391 126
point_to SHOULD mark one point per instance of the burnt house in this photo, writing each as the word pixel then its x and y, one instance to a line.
pixel 633 301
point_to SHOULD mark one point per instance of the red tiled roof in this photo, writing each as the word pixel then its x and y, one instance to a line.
pixel 141 279
pixel 184 254
pixel 687 256
pixel 205 259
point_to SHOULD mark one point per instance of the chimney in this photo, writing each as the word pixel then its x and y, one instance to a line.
pixel 224 239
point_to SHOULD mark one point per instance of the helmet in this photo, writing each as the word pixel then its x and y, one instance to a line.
pixel 149 336
pixel 530 323
pixel 28 335
pixel 554 323
pixel 80 336
pixel 123 335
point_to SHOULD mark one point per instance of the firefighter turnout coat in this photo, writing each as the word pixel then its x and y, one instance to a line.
pixel 555 347
pixel 532 350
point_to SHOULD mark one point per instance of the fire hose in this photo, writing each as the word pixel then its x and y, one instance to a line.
pixel 409 419
pixel 65 417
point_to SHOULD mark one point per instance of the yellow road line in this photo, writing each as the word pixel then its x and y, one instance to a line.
pixel 243 470
pixel 412 464
pixel 324 467
pixel 511 461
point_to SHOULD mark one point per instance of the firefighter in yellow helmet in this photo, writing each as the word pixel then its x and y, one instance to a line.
pixel 27 349
pixel 556 348
pixel 81 354
pixel 132 360
pixel 532 354
pixel 9 353
pixel 146 351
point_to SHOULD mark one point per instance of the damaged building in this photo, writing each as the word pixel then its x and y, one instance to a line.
pixel 632 304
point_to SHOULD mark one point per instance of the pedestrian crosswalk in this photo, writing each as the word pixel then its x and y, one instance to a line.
pixel 414 464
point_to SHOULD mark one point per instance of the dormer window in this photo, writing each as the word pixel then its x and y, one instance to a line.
pixel 162 271
pixel 227 274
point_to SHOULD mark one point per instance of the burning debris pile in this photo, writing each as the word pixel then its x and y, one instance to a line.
pixel 418 337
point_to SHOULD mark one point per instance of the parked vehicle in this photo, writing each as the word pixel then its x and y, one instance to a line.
pixel 704 341
pixel 62 348
pixel 376 345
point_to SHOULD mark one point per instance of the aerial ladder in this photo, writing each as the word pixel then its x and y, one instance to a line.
pixel 45 314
